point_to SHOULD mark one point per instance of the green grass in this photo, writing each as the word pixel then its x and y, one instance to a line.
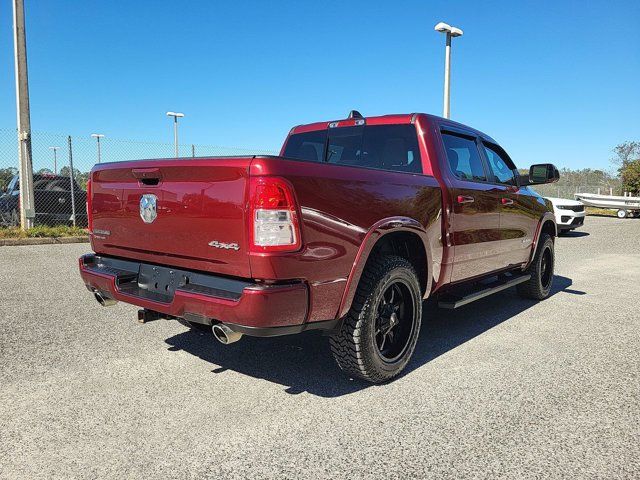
pixel 603 212
pixel 41 231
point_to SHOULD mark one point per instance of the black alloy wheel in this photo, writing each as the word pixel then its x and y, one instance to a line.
pixel 395 321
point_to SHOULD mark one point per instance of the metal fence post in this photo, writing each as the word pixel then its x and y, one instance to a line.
pixel 193 150
pixel 72 182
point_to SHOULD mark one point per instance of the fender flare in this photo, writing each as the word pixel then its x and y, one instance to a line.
pixel 547 217
pixel 374 234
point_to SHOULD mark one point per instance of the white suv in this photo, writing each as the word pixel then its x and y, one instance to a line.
pixel 569 213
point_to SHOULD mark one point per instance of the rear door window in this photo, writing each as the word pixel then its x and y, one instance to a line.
pixel 306 146
pixel 464 157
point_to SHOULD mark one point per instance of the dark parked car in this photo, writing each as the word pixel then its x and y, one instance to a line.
pixel 52 199
pixel 348 230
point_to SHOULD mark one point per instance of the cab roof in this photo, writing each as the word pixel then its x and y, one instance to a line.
pixel 391 119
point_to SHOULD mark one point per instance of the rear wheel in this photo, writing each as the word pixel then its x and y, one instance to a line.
pixel 539 285
pixel 379 334
pixel 622 213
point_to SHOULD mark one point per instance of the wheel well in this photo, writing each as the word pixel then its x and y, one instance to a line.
pixel 549 227
pixel 407 245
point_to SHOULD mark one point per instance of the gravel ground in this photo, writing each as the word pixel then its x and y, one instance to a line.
pixel 501 388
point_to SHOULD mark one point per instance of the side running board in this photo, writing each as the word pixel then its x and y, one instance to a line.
pixel 452 300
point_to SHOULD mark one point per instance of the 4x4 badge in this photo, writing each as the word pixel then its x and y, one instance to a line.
pixel 226 246
pixel 148 208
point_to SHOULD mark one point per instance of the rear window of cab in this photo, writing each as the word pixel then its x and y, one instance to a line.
pixel 384 147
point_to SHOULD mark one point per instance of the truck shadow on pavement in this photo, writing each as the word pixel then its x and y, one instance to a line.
pixel 303 362
pixel 574 234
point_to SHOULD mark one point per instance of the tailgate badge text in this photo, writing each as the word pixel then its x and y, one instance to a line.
pixel 226 246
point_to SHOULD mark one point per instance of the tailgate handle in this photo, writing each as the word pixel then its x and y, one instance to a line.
pixel 147 176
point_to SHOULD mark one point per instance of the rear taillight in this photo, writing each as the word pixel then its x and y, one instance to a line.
pixel 89 200
pixel 274 220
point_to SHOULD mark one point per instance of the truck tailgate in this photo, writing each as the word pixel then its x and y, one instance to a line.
pixel 194 217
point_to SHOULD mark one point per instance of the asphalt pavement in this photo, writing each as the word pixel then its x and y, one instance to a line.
pixel 504 387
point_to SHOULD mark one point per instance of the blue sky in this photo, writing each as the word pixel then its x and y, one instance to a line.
pixel 554 81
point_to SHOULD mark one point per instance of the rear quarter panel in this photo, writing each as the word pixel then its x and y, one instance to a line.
pixel 343 211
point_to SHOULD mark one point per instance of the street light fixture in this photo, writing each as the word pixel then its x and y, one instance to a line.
pixel 98 136
pixel 55 159
pixel 175 116
pixel 451 32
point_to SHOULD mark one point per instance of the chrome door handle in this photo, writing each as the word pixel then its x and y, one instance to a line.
pixel 506 201
pixel 465 199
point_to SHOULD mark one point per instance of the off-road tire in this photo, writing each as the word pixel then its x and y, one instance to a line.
pixel 354 346
pixel 536 287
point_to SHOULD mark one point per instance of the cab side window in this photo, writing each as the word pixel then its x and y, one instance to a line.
pixel 464 157
pixel 500 165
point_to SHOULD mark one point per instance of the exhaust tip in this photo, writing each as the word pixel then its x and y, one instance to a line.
pixel 224 334
pixel 104 300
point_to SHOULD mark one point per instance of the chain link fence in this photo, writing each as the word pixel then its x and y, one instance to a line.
pixel 54 191
pixel 58 200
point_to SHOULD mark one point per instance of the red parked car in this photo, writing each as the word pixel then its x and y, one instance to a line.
pixel 348 230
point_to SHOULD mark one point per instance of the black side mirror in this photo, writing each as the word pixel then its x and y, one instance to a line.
pixel 543 173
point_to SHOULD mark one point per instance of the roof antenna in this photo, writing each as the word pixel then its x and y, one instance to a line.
pixel 355 114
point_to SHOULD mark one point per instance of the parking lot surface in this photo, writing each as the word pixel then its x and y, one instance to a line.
pixel 504 387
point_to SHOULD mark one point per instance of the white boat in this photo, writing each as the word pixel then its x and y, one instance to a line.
pixel 626 206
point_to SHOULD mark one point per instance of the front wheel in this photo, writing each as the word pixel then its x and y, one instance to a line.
pixel 379 334
pixel 539 285
pixel 621 213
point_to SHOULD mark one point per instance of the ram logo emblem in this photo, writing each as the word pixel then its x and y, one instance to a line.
pixel 148 208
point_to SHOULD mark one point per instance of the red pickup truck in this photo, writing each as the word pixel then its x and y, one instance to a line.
pixel 347 231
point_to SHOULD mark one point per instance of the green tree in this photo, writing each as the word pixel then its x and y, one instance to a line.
pixel 625 153
pixel 627 157
pixel 631 177
pixel 81 178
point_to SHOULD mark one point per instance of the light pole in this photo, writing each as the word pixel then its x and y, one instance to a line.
pixel 55 159
pixel 451 32
pixel 27 206
pixel 98 136
pixel 175 116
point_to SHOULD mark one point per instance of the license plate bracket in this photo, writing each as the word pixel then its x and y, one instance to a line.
pixel 160 280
